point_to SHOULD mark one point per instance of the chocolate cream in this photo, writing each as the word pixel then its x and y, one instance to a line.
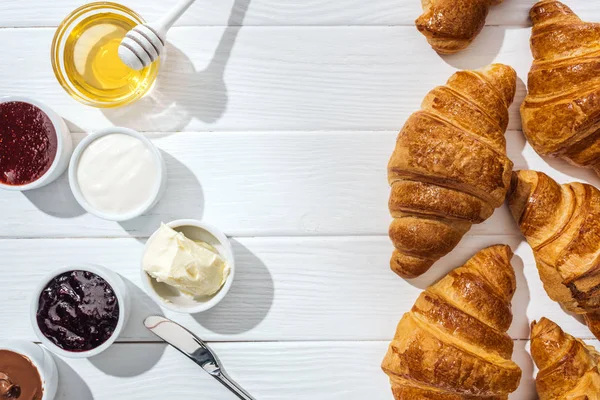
pixel 19 378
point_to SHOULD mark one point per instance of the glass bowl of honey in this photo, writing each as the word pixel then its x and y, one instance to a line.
pixel 85 56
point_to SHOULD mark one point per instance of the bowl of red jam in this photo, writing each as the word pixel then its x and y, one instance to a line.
pixel 79 311
pixel 35 144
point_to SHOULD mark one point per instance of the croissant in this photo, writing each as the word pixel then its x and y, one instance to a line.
pixel 568 367
pixel 451 25
pixel 453 343
pixel 449 169
pixel 561 113
pixel 562 225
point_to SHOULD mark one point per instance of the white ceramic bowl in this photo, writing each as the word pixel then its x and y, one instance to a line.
pixel 63 150
pixel 42 360
pixel 158 189
pixel 168 296
pixel 120 289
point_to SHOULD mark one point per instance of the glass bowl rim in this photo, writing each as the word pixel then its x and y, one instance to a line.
pixel 56 47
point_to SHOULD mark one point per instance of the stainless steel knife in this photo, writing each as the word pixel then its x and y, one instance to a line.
pixel 195 349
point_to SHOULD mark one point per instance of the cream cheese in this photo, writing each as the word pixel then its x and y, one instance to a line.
pixel 195 268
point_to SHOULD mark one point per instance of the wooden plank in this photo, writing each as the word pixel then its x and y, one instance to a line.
pixel 265 12
pixel 267 78
pixel 247 184
pixel 261 184
pixel 336 288
pixel 315 371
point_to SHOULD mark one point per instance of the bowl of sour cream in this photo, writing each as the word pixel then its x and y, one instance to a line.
pixel 117 174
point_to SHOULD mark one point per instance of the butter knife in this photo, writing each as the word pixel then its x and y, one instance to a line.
pixel 195 349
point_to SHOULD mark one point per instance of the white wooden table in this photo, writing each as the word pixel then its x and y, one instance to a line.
pixel 277 119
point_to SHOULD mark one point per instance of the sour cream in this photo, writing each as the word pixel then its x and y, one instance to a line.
pixel 118 174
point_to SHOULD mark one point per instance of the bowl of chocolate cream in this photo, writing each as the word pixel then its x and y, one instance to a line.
pixel 27 372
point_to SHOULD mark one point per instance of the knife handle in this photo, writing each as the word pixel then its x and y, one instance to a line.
pixel 233 387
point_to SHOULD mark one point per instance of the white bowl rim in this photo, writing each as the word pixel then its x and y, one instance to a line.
pixel 82 146
pixel 101 272
pixel 19 346
pixel 59 126
pixel 217 297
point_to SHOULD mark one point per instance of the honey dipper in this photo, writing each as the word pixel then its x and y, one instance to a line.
pixel 144 44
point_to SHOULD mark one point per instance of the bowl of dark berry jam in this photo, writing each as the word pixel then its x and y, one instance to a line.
pixel 35 144
pixel 79 311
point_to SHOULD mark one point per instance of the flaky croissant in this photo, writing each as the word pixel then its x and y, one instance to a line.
pixel 449 169
pixel 451 25
pixel 568 367
pixel 453 344
pixel 561 113
pixel 562 225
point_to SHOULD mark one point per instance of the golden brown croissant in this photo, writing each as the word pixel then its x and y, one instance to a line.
pixel 451 25
pixel 562 225
pixel 449 169
pixel 561 113
pixel 568 367
pixel 453 344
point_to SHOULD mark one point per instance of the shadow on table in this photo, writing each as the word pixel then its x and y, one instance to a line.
pixel 183 198
pixel 181 93
pixel 117 360
pixel 249 299
pixel 461 254
pixel 141 306
pixel 70 384
pixel 515 141
pixel 521 356
pixel 75 130
pixel 579 173
pixel 55 199
pixel 482 52
pixel 520 301
pixel 127 360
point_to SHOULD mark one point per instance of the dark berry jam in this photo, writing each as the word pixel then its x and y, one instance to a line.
pixel 28 143
pixel 78 311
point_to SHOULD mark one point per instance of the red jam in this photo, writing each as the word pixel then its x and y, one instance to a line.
pixel 28 143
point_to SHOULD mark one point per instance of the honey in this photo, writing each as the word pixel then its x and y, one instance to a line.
pixel 86 58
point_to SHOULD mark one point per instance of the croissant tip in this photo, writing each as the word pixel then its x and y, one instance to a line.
pixel 503 249
pixel 504 79
pixel 514 182
pixel 509 252
pixel 535 323
pixel 409 267
pixel 546 10
pixel 542 326
pixel 522 184
pixel 507 68
pixel 592 320
pixel 403 274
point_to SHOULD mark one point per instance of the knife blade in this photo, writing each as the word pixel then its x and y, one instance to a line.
pixel 195 349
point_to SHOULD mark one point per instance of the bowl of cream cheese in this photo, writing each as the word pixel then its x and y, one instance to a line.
pixel 117 174
pixel 187 266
